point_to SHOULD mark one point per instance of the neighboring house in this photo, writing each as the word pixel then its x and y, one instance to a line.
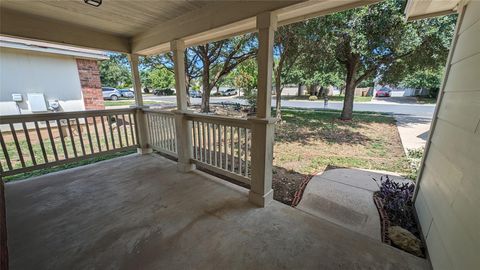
pixel 37 77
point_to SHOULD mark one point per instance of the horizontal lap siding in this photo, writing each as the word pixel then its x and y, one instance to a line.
pixel 448 200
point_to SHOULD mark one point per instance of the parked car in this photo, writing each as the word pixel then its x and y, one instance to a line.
pixel 195 94
pixel 126 93
pixel 229 92
pixel 110 93
pixel 383 92
pixel 163 92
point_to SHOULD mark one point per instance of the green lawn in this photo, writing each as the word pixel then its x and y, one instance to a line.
pixel 308 141
pixel 71 146
pixel 65 166
pixel 330 98
pixel 126 102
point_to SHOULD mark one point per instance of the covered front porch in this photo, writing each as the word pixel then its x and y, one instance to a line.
pixel 139 212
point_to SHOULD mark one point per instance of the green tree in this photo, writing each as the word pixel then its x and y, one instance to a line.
pixel 219 59
pixel 244 77
pixel 115 72
pixel 369 41
pixel 192 66
pixel 287 49
pixel 429 79
pixel 161 78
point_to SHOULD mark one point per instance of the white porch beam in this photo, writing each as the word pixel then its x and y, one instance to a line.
pixel 16 24
pixel 182 125
pixel 141 121
pixel 261 192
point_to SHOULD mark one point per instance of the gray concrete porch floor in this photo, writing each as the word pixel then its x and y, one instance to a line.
pixel 137 212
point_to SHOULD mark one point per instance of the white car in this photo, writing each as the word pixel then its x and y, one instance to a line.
pixel 229 92
pixel 111 93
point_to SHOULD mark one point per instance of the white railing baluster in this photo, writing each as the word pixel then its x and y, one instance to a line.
pixel 239 153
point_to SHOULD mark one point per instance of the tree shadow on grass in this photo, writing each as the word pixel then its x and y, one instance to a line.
pixel 288 132
pixel 305 125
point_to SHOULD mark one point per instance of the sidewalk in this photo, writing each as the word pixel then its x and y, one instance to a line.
pixel 413 131
pixel 345 197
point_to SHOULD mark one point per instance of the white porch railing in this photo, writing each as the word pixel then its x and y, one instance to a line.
pixel 219 144
pixel 222 145
pixel 35 141
pixel 161 131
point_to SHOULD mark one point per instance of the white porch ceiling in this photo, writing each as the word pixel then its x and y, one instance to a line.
pixel 147 27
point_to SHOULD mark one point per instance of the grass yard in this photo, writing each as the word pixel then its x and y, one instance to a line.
pixel 309 141
pixel 66 166
pixel 330 98
pixel 127 102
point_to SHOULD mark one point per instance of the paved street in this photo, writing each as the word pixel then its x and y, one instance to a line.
pixel 414 110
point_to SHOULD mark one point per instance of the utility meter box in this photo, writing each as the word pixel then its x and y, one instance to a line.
pixel 17 97
pixel 37 102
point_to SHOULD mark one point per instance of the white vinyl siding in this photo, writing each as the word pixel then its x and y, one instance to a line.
pixel 448 200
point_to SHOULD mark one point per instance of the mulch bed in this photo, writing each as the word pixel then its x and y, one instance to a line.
pixel 384 221
pixel 385 224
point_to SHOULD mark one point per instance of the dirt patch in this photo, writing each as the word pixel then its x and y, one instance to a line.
pixel 286 183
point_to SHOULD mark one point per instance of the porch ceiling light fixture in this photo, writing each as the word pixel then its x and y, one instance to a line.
pixel 95 3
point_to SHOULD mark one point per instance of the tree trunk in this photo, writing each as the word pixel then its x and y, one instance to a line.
pixel 350 85
pixel 299 93
pixel 205 107
pixel 278 99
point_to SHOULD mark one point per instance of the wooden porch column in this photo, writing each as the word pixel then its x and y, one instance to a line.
pixel 141 122
pixel 261 192
pixel 182 125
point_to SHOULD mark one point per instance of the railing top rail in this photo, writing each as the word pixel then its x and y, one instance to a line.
pixel 158 111
pixel 7 119
pixel 217 119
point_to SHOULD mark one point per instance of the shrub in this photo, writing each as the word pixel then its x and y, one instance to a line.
pixel 414 157
pixel 397 200
pixel 312 98
pixel 251 97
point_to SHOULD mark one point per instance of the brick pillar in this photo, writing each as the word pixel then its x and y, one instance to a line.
pixel 90 83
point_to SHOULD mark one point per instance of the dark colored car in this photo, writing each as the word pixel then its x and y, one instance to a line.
pixel 126 93
pixel 383 92
pixel 163 92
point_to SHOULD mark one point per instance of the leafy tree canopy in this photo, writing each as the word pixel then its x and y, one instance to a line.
pixel 115 72
pixel 375 41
